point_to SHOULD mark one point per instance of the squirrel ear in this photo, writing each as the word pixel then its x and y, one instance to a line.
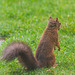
pixel 56 19
pixel 50 17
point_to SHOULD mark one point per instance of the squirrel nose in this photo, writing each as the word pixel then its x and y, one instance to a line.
pixel 59 23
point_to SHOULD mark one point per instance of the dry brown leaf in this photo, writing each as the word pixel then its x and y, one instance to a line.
pixel 55 65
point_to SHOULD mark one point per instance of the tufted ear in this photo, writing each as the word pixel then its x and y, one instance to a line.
pixel 56 19
pixel 50 17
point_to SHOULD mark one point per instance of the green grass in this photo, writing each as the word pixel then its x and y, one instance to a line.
pixel 25 20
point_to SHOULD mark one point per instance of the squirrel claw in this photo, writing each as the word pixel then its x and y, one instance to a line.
pixel 54 48
pixel 59 49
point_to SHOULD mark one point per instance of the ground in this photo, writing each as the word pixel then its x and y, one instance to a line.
pixel 25 20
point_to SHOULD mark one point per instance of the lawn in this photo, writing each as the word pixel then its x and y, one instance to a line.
pixel 25 20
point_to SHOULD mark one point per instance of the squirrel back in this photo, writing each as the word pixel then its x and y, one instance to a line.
pixel 44 55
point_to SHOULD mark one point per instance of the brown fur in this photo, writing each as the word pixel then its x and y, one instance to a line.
pixel 44 54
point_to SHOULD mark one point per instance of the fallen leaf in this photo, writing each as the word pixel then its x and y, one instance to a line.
pixel 55 65
pixel 48 70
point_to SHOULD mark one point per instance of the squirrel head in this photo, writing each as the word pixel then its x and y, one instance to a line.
pixel 54 23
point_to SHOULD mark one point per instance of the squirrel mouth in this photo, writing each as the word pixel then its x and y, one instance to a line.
pixel 59 28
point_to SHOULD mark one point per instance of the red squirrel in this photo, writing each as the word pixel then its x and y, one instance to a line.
pixel 44 55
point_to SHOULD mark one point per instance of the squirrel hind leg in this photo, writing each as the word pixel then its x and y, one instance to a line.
pixel 51 62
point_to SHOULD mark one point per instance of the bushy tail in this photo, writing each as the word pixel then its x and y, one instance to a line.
pixel 23 52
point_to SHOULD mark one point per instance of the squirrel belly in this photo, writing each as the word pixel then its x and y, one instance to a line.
pixel 44 55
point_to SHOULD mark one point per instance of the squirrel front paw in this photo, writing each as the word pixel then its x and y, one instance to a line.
pixel 55 48
pixel 59 49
